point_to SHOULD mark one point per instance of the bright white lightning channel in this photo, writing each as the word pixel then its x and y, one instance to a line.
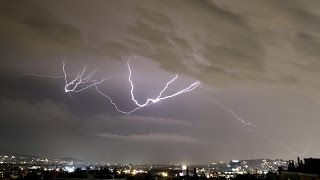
pixel 81 81
pixel 149 101
pixel 159 97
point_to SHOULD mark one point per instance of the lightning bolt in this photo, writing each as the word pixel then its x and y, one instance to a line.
pixel 84 80
pixel 81 81
pixel 149 101
pixel 159 97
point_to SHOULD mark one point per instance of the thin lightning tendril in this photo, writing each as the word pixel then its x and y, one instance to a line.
pixel 258 131
pixel 282 144
pixel 232 112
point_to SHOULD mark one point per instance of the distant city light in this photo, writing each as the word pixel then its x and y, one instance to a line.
pixel 69 169
pixel 184 167
pixel 164 174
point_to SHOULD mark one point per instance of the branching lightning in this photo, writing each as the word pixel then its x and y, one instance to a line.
pixel 149 101
pixel 159 97
pixel 81 82
pixel 84 80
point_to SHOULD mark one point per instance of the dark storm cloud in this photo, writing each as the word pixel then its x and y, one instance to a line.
pixel 26 22
pixel 309 43
pixel 305 36
pixel 158 120
pixel 154 138
pixel 44 124
pixel 221 12
pixel 159 41
pixel 27 27
pixel 236 50
pixel 234 44
pixel 61 113
pixel 114 49
pixel 291 80
pixel 39 111
pixel 52 124
pixel 246 58
pixel 160 19
pixel 144 124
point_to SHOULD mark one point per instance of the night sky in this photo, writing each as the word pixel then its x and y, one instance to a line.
pixel 258 59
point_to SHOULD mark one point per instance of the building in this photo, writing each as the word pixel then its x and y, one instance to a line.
pixel 309 170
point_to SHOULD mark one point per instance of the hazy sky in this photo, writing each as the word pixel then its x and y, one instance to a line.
pixel 257 58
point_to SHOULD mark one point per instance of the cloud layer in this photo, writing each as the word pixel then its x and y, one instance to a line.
pixel 156 138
